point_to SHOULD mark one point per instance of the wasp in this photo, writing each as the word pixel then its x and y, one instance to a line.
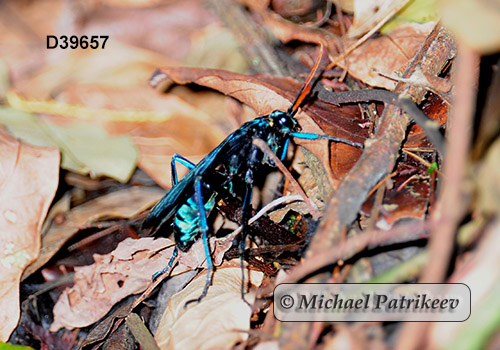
pixel 231 167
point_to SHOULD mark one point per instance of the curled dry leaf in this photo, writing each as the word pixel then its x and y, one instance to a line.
pixel 220 320
pixel 120 204
pixel 28 181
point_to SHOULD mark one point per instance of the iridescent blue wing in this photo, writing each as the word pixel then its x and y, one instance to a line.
pixel 183 190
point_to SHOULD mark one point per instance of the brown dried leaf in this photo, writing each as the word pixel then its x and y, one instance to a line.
pixel 97 287
pixel 23 29
pixel 409 195
pixel 388 54
pixel 436 109
pixel 29 177
pixel 125 271
pixel 220 320
pixel 120 204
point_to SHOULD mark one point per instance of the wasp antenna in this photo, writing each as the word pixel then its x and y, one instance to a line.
pixel 306 88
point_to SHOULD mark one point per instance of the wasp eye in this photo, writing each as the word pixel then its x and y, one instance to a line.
pixel 275 114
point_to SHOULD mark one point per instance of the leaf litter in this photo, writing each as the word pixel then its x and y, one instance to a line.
pixel 28 181
pixel 395 198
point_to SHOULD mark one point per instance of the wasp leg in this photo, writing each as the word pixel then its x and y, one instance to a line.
pixel 181 160
pixel 310 136
pixel 169 265
pixel 198 196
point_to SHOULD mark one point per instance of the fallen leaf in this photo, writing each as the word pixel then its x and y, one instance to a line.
pixel 125 271
pixel 220 320
pixel 28 181
pixel 409 195
pixel 118 65
pixel 81 144
pixel 215 47
pixel 97 287
pixel 177 20
pixel 387 54
pixel 22 35
pixel 170 125
pixel 120 204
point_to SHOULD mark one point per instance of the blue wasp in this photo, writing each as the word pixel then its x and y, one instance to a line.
pixel 235 161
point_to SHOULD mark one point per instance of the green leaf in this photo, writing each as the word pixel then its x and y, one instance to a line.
pixel 432 168
pixel 85 148
pixel 5 346
pixel 417 11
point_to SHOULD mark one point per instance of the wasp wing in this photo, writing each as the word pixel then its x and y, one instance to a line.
pixel 183 190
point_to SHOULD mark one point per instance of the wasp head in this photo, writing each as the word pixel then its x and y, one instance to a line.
pixel 283 121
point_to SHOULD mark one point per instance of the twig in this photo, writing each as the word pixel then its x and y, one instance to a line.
pixel 380 153
pixel 277 202
pixel 422 160
pixel 404 102
pixel 452 203
pixel 358 243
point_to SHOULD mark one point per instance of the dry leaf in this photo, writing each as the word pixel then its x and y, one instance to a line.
pixel 388 54
pixel 125 271
pixel 28 180
pixel 120 204
pixel 81 144
pixel 220 320
pixel 97 287
pixel 173 125
pixel 118 65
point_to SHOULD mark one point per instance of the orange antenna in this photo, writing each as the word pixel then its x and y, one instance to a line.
pixel 306 88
